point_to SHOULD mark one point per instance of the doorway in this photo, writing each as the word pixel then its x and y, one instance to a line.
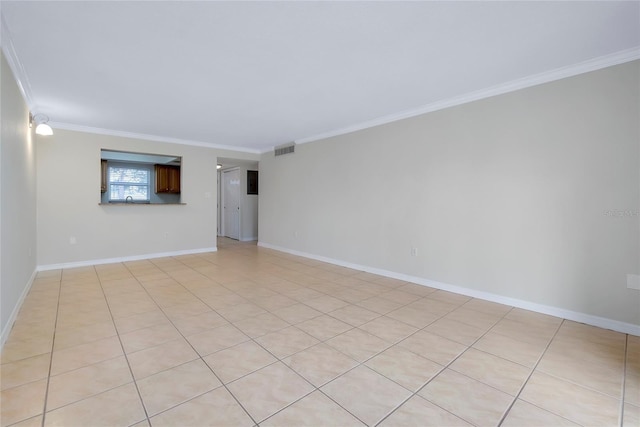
pixel 231 203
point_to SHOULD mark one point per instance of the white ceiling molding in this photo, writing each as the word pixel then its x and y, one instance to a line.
pixel 512 86
pixel 110 132
pixel 16 66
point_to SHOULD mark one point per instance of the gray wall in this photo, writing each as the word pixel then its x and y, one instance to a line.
pixel 511 195
pixel 17 200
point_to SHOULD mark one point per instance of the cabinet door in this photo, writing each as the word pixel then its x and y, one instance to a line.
pixel 174 179
pixel 167 179
pixel 103 181
pixel 162 179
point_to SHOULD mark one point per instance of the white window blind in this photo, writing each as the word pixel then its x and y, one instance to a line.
pixel 128 183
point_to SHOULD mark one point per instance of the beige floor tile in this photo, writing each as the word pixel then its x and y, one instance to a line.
pixel 404 367
pixel 199 323
pixel 24 371
pixel 216 339
pixel 456 331
pixel 420 412
pixel 591 375
pixel 631 415
pixel 84 334
pixel 286 342
pixel 525 332
pixel 148 337
pixel 523 414
pixel 22 402
pixel 449 297
pixel 471 400
pixel 324 327
pixel 499 373
pixel 583 348
pixel 85 354
pixel 358 344
pixel 354 315
pixel 320 364
pixel 570 329
pixel 571 401
pixel 533 318
pixel 399 296
pixel 169 388
pixel 275 302
pixel 303 294
pixel 314 410
pixel 119 406
pixel 216 408
pixel 632 388
pixel 261 324
pixel 366 394
pixel 388 329
pixel 87 381
pixel 31 422
pixel 265 392
pixel 433 347
pixel 240 311
pixel 140 321
pixel 15 349
pixel 472 317
pixel 326 303
pixel 238 361
pixel 266 292
pixel 165 356
pixel 379 305
pixel 488 307
pixel 508 348
pixel 414 316
pixel 297 313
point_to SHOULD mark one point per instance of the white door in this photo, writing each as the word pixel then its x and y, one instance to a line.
pixel 231 203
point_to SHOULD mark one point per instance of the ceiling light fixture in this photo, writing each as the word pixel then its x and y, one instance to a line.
pixel 41 120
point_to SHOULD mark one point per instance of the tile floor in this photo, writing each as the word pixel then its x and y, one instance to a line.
pixel 248 336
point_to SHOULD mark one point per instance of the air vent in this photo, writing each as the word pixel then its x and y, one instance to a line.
pixel 285 149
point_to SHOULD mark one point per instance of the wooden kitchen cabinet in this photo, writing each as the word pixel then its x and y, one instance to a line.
pixel 167 179
pixel 103 170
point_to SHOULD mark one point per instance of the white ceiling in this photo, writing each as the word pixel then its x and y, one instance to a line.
pixel 252 75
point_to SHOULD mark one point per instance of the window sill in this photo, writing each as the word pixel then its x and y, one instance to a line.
pixel 138 203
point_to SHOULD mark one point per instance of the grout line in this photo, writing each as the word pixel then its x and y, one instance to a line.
pixel 222 384
pixel 53 343
pixel 624 380
pixel 444 367
pixel 535 366
pixel 135 383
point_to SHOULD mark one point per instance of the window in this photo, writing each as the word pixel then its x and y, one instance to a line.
pixel 129 183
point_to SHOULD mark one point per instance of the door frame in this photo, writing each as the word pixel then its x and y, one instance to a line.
pixel 222 202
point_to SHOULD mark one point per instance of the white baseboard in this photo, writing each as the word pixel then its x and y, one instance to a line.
pixel 16 309
pixel 124 259
pixel 249 239
pixel 589 319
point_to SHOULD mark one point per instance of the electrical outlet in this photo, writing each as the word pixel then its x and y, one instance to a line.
pixel 166 234
pixel 414 251
pixel 72 240
pixel 207 195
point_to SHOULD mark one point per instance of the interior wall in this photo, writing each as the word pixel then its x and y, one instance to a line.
pixel 69 197
pixel 17 200
pixel 532 195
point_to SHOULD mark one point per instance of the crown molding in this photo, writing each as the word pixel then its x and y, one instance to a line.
pixel 146 137
pixel 15 64
pixel 617 58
